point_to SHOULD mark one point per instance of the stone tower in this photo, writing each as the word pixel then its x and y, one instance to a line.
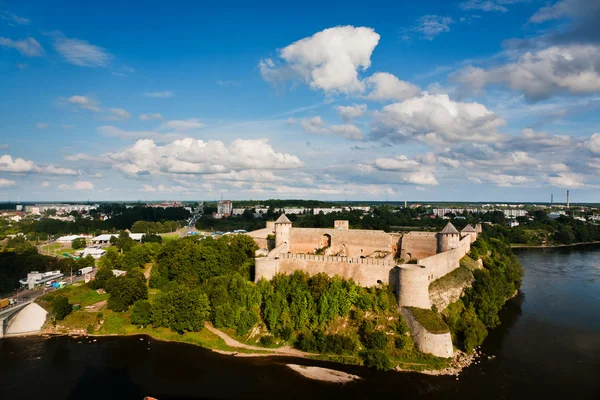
pixel 283 231
pixel 448 238
pixel 469 231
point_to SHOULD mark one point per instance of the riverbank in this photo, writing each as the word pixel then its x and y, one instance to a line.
pixel 550 246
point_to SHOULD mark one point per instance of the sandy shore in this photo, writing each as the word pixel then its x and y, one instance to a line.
pixel 323 374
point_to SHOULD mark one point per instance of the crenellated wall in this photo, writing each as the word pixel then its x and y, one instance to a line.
pixel 443 263
pixel 347 242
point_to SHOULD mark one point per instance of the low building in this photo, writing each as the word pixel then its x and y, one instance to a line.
pixel 105 238
pixel 69 238
pixel 35 278
pixel 94 252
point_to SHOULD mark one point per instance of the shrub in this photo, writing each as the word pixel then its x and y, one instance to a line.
pixel 376 359
pixel 141 313
pixel 267 340
pixel 377 340
pixel 247 319
pixel 306 342
pixel 61 307
pixel 90 329
pixel 285 333
pixel 339 344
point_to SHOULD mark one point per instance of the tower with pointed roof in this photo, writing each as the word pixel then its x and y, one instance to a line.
pixel 469 231
pixel 283 231
pixel 448 238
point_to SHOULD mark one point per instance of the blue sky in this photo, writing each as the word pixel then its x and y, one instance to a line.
pixel 483 100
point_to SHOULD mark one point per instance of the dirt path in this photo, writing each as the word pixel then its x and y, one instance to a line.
pixel 234 343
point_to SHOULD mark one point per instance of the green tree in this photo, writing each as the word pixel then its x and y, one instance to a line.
pixel 61 307
pixel 126 290
pixel 376 359
pixel 102 277
pixel 181 309
pixel 141 313
pixel 78 243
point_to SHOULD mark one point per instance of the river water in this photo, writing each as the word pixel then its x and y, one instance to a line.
pixel 548 346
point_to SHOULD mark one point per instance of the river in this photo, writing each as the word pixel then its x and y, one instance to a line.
pixel 548 346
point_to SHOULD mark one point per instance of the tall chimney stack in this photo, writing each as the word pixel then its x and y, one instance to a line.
pixel 551 199
pixel 567 198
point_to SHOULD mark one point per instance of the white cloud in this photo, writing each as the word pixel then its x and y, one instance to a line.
pixel 191 156
pixel 567 180
pixel 348 113
pixel 435 119
pixel 4 147
pixel 41 125
pixel 489 5
pixel 594 143
pixel 400 163
pixel 429 26
pixel 555 11
pixel 84 102
pixel 27 47
pixel 386 86
pixel 79 185
pixel 165 94
pixel 317 126
pixel 20 165
pixel 314 125
pixel 45 184
pixel 573 69
pixel 329 60
pixel 118 114
pixel 163 189
pixel 148 117
pixel 80 52
pixel 6 182
pixel 13 18
pixel 347 131
pixel 181 125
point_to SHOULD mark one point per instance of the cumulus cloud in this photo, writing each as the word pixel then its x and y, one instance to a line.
pixel 84 102
pixel 501 180
pixel 27 47
pixel 118 114
pixel 385 86
pixel 163 189
pixel 148 117
pixel 41 125
pixel 489 5
pixel 20 165
pixel 572 69
pixel 348 113
pixel 6 182
pixel 329 60
pixel 158 95
pixel 594 143
pixel 410 171
pixel 14 18
pixel 113 131
pixel 316 125
pixel 79 185
pixel 45 184
pixel 435 119
pixel 567 180
pixel 80 52
pixel 181 125
pixel 191 156
pixel 429 27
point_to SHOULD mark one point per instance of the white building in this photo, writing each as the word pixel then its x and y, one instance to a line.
pixel 60 208
pixel 105 238
pixel 68 239
pixel 35 278
pixel 94 252
pixel 224 207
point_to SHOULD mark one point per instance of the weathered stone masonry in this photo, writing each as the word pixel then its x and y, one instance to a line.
pixel 368 257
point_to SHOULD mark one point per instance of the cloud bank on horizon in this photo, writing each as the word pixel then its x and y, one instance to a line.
pixel 438 106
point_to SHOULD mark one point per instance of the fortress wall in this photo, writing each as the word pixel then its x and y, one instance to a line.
pixel 439 345
pixel 414 286
pixel 264 267
pixel 417 245
pixel 260 237
pixel 362 272
pixel 353 242
pixel 446 262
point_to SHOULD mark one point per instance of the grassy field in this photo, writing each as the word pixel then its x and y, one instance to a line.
pixel 169 236
pixel 429 319
pixel 57 249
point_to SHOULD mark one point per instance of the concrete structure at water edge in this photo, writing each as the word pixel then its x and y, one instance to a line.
pixel 408 262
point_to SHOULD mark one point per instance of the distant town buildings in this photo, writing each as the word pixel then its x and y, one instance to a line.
pixel 59 208
pixel 165 204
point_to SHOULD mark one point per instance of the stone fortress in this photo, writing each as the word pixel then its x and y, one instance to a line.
pixel 370 257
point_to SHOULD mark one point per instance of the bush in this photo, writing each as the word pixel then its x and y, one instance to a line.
pixel 247 319
pixel 306 342
pixel 339 344
pixel 402 342
pixel 61 307
pixel 267 340
pixel 181 309
pixel 285 333
pixel 78 243
pixel 90 329
pixel 141 313
pixel 377 340
pixel 376 359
